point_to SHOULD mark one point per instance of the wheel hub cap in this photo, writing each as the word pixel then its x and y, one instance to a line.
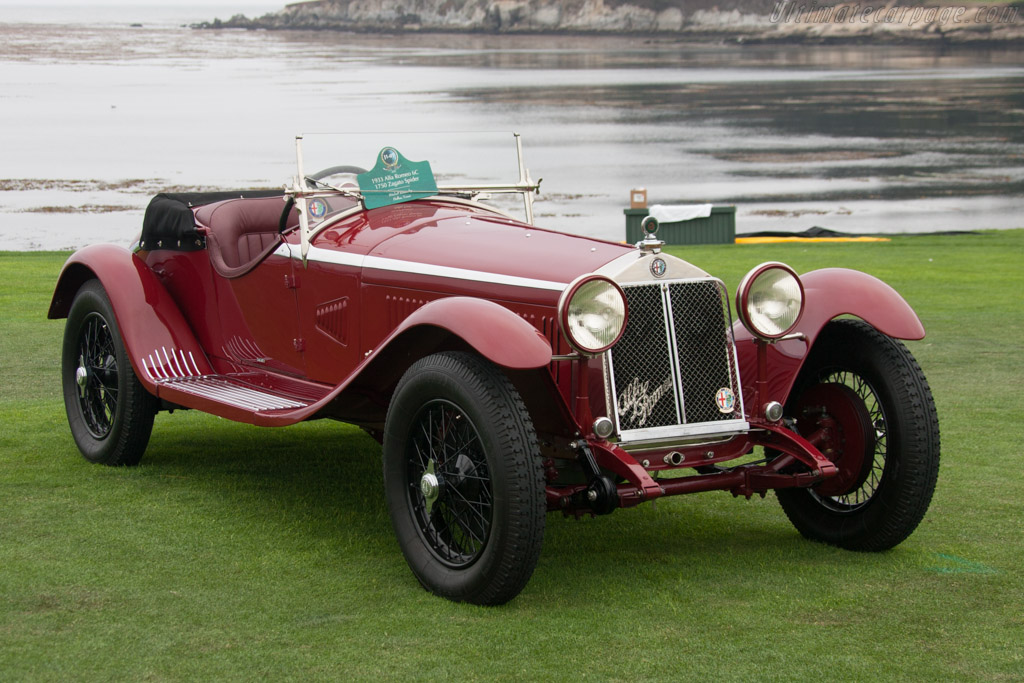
pixel 81 379
pixel 429 486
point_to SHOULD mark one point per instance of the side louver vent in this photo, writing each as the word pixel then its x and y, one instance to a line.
pixel 331 319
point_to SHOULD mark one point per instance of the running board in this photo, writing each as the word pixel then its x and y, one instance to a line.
pixel 233 393
pixel 240 397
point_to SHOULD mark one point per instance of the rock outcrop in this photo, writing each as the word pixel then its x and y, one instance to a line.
pixel 741 20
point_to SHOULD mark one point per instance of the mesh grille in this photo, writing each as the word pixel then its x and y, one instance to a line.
pixel 674 357
pixel 702 346
pixel 643 366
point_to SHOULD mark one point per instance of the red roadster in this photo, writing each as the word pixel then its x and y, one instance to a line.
pixel 508 371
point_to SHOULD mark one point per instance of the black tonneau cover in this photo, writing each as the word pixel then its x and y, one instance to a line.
pixel 169 224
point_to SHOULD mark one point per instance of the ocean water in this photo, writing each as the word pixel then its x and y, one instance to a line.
pixel 103 106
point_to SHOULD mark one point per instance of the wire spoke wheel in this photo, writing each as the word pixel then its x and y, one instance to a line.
pixel 110 413
pixel 463 479
pixel 864 398
pixel 97 376
pixel 449 483
pixel 858 441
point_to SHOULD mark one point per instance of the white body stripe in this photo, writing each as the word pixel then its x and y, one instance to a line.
pixel 342 258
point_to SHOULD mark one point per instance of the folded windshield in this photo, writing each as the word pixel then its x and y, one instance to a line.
pixel 389 168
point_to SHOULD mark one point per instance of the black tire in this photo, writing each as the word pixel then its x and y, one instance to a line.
pixel 109 411
pixel 884 437
pixel 477 535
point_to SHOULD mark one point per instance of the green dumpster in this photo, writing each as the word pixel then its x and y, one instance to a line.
pixel 718 228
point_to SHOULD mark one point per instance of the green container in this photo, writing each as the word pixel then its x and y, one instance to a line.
pixel 718 228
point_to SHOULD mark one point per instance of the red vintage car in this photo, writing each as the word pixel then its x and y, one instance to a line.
pixel 508 371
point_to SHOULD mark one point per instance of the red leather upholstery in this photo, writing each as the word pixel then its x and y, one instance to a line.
pixel 242 232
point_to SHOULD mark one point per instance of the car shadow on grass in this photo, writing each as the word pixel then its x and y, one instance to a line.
pixel 320 484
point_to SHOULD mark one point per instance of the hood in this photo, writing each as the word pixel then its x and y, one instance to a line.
pixel 453 237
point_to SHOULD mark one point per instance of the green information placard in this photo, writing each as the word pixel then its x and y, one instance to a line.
pixel 395 179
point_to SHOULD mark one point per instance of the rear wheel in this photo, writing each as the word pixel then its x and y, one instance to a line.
pixel 109 411
pixel 866 403
pixel 463 479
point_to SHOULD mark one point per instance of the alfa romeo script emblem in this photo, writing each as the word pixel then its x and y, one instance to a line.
pixel 725 400
pixel 658 267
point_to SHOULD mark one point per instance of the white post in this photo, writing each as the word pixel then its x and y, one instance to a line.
pixel 524 179
pixel 300 201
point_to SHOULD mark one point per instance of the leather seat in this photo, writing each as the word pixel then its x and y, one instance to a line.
pixel 242 232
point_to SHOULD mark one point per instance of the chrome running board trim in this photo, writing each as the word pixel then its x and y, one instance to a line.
pixel 231 392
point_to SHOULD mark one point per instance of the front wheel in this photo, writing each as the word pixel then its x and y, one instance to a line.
pixel 864 399
pixel 109 411
pixel 463 479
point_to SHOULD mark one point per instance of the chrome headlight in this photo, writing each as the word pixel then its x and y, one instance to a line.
pixel 592 312
pixel 770 300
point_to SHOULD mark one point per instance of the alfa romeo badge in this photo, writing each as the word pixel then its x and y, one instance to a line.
pixel 658 267
pixel 317 209
pixel 725 400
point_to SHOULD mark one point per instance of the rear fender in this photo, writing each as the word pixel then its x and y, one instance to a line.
pixel 828 294
pixel 159 342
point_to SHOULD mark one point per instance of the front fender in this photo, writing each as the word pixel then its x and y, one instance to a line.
pixel 828 294
pixel 494 331
pixel 831 292
pixel 158 340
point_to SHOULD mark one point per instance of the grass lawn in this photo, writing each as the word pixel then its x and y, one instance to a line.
pixel 235 552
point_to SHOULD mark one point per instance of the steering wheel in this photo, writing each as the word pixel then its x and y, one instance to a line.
pixel 350 181
pixel 337 170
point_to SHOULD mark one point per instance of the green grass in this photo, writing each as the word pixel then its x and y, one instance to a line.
pixel 239 553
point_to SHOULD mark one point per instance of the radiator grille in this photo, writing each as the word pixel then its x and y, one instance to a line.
pixel 643 386
pixel 668 371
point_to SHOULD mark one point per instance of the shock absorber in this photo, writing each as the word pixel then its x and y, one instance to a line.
pixel 601 494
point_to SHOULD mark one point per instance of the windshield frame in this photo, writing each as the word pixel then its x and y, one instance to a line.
pixel 304 188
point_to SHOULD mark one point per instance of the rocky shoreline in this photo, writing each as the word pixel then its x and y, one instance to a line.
pixel 754 21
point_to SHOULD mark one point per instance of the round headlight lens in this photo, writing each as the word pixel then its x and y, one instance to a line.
pixel 593 313
pixel 770 300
